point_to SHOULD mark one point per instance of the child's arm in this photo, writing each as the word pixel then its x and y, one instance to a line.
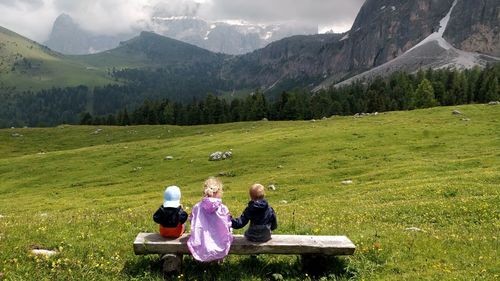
pixel 241 221
pixel 158 216
pixel 183 216
pixel 274 220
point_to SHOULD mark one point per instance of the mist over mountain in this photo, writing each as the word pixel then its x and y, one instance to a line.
pixel 229 37
pixel 68 37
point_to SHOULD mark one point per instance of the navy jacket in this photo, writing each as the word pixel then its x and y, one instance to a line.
pixel 262 220
pixel 170 217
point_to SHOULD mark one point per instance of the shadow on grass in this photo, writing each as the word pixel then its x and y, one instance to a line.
pixel 143 268
pixel 265 267
pixel 319 266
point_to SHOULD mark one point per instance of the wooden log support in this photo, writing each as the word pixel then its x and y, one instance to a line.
pixel 172 264
pixel 153 243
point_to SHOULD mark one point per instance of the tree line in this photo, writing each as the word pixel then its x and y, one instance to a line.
pixel 400 91
pixel 144 102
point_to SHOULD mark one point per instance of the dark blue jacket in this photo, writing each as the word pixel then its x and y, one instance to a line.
pixel 170 217
pixel 262 220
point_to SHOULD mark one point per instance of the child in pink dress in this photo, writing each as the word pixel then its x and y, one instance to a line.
pixel 211 235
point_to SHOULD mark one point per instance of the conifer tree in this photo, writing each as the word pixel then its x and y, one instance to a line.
pixel 424 95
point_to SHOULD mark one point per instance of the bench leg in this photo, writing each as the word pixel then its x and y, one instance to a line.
pixel 314 264
pixel 172 264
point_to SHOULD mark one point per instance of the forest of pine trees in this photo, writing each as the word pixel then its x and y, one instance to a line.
pixel 136 104
pixel 400 91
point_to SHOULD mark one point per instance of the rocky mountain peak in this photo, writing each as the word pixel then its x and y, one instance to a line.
pixel 64 20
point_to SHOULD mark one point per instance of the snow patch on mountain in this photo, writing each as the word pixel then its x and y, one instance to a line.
pixel 438 35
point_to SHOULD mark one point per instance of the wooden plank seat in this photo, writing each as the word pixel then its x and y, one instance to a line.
pixel 173 249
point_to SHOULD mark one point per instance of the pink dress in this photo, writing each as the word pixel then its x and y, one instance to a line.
pixel 211 235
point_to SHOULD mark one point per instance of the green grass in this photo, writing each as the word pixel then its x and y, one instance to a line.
pixel 85 196
pixel 117 58
pixel 26 65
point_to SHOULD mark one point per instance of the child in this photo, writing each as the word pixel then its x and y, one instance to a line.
pixel 261 216
pixel 211 236
pixel 170 215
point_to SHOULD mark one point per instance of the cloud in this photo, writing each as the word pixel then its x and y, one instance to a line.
pixel 31 18
pixel 106 16
pixel 310 11
pixel 22 3
pixel 34 18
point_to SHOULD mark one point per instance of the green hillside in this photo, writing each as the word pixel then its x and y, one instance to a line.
pixel 25 65
pixel 87 193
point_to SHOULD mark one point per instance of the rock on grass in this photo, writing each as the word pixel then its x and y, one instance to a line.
pixel 43 252
pixel 218 155
pixel 415 229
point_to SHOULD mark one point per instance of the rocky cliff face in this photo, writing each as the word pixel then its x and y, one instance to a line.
pixel 475 26
pixel 467 32
pixel 385 29
pixel 297 58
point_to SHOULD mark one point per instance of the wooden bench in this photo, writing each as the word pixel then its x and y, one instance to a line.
pixel 173 249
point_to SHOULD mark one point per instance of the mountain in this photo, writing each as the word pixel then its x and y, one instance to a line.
pixel 387 36
pixel 228 37
pixel 435 51
pixel 423 34
pixel 150 50
pixel 68 38
pixel 297 60
pixel 158 67
pixel 27 65
pixel 382 31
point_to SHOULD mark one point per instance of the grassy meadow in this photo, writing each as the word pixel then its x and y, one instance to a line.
pixel 87 194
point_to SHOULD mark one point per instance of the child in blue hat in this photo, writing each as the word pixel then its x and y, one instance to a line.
pixel 170 216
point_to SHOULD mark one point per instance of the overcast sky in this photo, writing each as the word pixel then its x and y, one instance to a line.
pixel 34 18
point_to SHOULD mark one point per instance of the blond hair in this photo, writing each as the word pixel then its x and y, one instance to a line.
pixel 212 186
pixel 257 191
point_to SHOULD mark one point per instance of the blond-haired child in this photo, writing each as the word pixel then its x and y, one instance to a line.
pixel 211 235
pixel 261 216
